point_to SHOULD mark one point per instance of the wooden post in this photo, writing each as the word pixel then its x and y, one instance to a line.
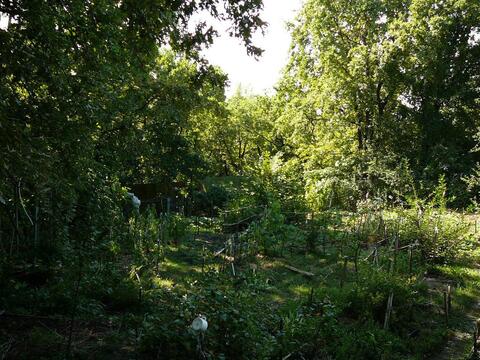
pixel 375 256
pixel 140 288
pixel 203 258
pixel 410 259
pixel 201 353
pixel 394 264
pixel 35 237
pixel 310 298
pixel 449 298
pixel 224 260
pixel 158 247
pixel 388 312
pixel 234 244
pixel 445 307
pixel 15 234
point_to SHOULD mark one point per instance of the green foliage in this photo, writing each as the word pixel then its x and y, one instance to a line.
pixel 42 341
pixel 442 236
pixel 350 154
pixel 439 196
pixel 327 189
pixel 214 196
pixel 176 228
pixel 236 326
pixel 272 233
pixel 374 84
pixel 99 101
pixel 236 136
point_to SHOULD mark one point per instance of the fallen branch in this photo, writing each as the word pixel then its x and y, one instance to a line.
pixel 294 269
pixel 219 252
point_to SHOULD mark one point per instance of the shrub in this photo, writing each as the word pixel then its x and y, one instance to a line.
pixel 237 324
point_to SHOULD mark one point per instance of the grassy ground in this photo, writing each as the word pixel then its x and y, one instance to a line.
pixel 183 265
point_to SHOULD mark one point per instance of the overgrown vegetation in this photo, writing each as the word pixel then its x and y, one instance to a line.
pixel 335 219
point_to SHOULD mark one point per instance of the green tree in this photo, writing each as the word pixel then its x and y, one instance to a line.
pixel 88 94
pixel 440 49
pixel 237 135
pixel 358 95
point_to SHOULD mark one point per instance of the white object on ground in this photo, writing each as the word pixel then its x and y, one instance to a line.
pixel 135 200
pixel 200 323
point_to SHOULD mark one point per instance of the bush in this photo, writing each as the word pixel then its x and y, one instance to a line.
pixel 442 236
pixel 272 233
pixel 237 324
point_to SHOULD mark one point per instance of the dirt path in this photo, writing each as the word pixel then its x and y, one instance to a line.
pixel 459 344
pixel 456 347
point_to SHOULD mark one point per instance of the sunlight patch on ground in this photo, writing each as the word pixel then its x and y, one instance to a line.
pixel 301 290
pixel 163 283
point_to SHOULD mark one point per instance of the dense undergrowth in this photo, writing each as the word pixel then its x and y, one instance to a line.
pixel 136 293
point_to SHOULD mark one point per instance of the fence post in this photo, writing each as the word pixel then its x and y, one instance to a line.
pixel 376 260
pixel 410 259
pixel 388 311
pixel 449 298
pixel 35 236
pixel 394 265
pixel 445 307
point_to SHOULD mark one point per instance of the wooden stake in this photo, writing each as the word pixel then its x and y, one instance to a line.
pixel 203 258
pixel 445 307
pixel 388 312
pixel 449 298
pixel 410 259
pixel 35 237
pixel 375 256
pixel 394 265
pixel 310 300
pixel 234 250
